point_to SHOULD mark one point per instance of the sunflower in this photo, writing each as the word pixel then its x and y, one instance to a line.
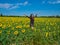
pixel 23 30
pixel 15 32
pixel 18 26
pixel 0 31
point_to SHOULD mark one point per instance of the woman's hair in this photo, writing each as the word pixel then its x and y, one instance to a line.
pixel 31 15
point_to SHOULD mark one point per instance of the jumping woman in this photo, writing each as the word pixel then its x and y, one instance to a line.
pixel 31 20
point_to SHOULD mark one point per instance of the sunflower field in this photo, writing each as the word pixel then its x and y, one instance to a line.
pixel 17 31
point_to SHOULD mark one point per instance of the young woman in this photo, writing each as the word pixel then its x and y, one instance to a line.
pixel 31 20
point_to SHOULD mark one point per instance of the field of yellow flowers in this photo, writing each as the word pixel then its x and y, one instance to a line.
pixel 16 31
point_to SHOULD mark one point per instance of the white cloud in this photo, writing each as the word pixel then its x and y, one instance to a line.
pixel 25 3
pixel 43 2
pixel 51 2
pixel 5 5
pixel 8 6
pixel 13 6
pixel 58 1
pixel 54 2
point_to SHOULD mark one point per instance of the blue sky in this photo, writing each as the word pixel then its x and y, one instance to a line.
pixel 21 7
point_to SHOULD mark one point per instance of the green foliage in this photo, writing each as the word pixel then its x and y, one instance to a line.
pixel 46 31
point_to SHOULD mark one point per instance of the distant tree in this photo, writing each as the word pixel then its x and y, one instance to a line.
pixel 57 16
pixel 1 14
pixel 24 15
pixel 36 15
